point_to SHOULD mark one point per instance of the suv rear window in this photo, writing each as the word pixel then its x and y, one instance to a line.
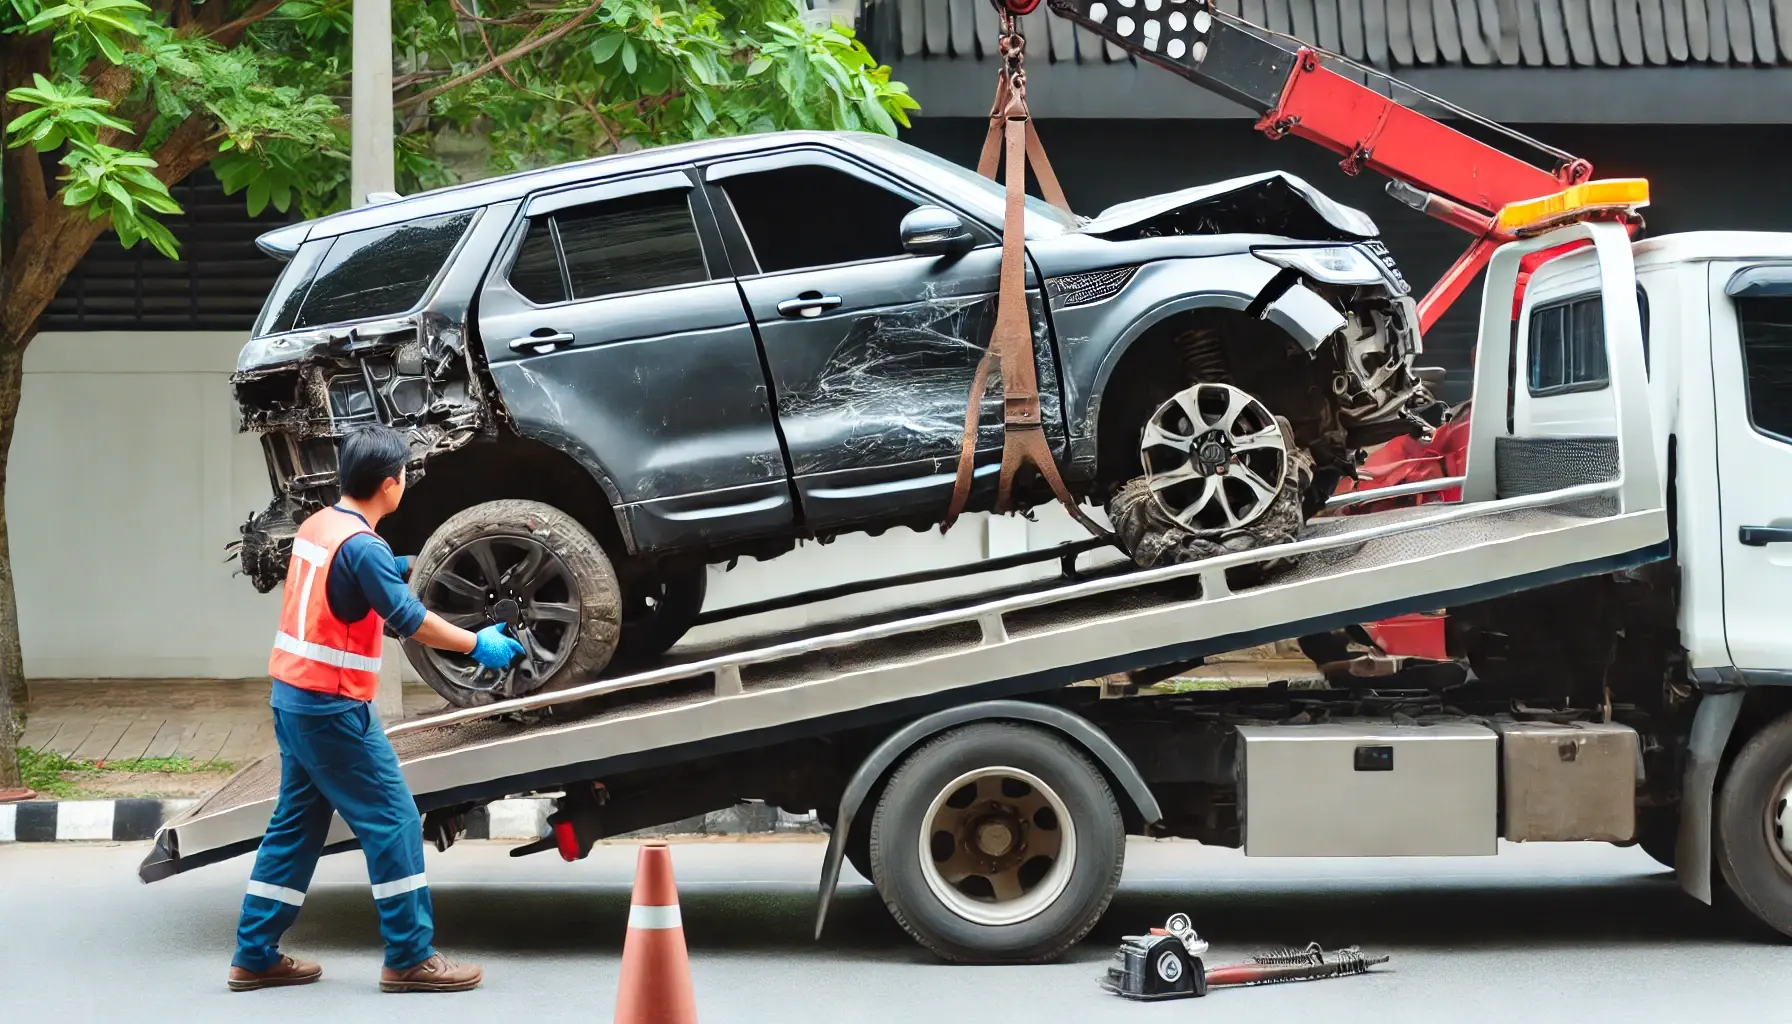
pixel 376 272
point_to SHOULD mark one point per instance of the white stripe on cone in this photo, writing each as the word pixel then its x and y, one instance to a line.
pixel 654 917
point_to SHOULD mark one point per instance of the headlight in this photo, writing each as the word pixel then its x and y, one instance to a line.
pixel 1332 264
pixel 266 353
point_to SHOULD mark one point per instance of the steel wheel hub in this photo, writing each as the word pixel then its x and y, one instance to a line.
pixel 997 846
pixel 506 579
pixel 1779 825
pixel 1214 457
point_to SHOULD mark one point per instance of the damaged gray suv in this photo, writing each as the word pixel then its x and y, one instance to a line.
pixel 615 372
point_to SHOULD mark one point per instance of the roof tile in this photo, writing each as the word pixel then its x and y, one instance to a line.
pixel 1405 33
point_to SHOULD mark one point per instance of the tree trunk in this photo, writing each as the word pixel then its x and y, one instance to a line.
pixel 12 662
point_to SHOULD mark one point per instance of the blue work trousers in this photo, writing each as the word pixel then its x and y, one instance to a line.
pixel 338 762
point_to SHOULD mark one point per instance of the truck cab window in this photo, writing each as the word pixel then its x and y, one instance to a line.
pixel 1767 363
pixel 811 216
pixel 1567 345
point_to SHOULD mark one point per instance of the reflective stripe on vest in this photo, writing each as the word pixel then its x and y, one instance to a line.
pixel 314 650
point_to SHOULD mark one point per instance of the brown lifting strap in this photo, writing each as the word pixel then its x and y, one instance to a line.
pixel 1011 342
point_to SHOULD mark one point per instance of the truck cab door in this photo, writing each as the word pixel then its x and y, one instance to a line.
pixel 1751 363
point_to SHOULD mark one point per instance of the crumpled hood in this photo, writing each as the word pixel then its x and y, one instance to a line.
pixel 1278 199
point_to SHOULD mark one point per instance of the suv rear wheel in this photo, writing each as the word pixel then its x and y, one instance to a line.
pixel 660 603
pixel 521 562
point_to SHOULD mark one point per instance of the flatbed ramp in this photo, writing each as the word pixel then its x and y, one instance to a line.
pixel 769 688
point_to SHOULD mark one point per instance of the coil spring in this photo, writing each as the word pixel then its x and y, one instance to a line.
pixel 1308 954
pixel 1203 355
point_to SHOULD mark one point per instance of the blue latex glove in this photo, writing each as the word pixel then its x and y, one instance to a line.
pixel 404 567
pixel 494 647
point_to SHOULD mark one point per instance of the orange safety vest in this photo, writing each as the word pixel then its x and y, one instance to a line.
pixel 314 650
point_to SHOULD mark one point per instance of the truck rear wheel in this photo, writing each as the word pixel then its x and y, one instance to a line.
pixel 997 843
pixel 525 560
pixel 1754 825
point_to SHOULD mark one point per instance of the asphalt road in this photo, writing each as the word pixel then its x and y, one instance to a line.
pixel 1581 934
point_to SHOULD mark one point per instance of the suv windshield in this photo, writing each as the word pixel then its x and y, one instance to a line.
pixel 990 196
pixel 377 272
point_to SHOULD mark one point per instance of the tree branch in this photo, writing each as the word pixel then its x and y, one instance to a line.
pixel 520 50
pixel 229 34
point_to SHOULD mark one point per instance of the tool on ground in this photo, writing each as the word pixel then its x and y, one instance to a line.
pixel 1166 964
pixel 656 970
pixel 1010 351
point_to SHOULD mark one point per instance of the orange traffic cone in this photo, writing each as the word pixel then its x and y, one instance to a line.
pixel 656 972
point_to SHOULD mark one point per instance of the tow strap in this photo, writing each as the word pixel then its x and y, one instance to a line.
pixel 1011 342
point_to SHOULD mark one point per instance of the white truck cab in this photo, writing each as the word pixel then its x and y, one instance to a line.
pixel 1715 311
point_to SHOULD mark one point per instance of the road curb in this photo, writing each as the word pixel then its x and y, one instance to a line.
pixel 63 821
pixel 132 820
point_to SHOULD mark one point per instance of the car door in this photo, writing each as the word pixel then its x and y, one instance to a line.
pixel 1751 361
pixel 871 349
pixel 615 332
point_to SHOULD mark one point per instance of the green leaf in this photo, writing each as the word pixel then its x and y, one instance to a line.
pixel 759 64
pixel 120 195
pixel 107 46
pixel 628 56
pixel 604 48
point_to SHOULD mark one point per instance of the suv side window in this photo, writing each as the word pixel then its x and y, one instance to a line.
pixel 634 243
pixel 1567 345
pixel 375 272
pixel 811 216
pixel 1767 363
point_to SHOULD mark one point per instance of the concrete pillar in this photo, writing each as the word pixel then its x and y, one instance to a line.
pixel 370 115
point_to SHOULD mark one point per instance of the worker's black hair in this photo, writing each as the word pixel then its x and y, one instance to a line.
pixel 368 457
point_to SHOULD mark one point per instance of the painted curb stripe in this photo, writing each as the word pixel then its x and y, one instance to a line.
pixel 8 815
pixel 36 823
pixel 84 820
pixel 654 918
pixel 135 819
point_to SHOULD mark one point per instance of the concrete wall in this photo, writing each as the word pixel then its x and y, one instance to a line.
pixel 128 477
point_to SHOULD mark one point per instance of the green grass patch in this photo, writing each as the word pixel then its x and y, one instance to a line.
pixel 52 774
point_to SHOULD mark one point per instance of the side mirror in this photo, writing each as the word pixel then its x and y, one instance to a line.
pixel 932 231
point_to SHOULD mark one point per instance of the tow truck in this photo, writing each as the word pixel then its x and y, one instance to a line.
pixel 1614 553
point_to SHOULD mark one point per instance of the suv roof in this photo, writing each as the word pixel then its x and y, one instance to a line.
pixel 284 241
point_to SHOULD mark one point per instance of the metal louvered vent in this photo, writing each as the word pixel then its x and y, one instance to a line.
pixel 1087 289
pixel 218 283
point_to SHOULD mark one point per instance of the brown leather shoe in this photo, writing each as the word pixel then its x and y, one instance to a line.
pixel 287 972
pixel 437 974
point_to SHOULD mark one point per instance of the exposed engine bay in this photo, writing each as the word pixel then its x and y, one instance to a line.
pixel 412 373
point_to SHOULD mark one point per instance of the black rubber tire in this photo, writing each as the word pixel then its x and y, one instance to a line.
pixel 599 597
pixel 895 838
pixel 1748 865
pixel 650 632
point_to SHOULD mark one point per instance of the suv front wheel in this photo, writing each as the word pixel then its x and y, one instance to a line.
pixel 529 564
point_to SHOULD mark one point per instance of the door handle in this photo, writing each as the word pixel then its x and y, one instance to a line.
pixel 541 342
pixel 807 304
pixel 1761 536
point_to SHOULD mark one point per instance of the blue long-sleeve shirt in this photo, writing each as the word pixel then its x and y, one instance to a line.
pixel 364 576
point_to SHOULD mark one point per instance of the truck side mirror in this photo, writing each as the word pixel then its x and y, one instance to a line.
pixel 933 231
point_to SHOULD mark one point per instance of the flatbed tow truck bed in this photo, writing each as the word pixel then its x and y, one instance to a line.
pixel 1558 510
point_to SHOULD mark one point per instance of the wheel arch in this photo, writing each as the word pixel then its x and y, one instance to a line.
pixel 509 467
pixel 1138 806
